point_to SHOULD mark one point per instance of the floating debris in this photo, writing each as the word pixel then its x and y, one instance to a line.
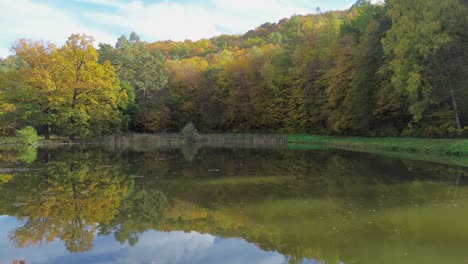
pixel 14 169
pixel 19 204
pixel 214 170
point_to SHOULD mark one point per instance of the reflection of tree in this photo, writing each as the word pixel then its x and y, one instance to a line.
pixel 190 150
pixel 76 197
pixel 275 199
pixel 141 210
pixel 294 259
pixel 27 154
pixel 4 178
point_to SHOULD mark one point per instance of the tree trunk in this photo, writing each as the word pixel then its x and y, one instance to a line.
pixel 72 117
pixel 47 132
pixel 455 108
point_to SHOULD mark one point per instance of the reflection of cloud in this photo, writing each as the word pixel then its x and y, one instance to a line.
pixel 173 247
pixel 8 252
pixel 160 247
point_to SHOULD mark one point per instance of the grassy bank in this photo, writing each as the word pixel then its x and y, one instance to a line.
pixel 455 147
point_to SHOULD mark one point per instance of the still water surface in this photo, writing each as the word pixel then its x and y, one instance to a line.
pixel 230 205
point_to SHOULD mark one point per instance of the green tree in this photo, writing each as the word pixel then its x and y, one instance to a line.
pixel 143 71
pixel 419 29
pixel 32 89
pixel 447 75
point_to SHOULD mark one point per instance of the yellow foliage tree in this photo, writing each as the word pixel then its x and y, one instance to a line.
pixel 68 88
pixel 90 96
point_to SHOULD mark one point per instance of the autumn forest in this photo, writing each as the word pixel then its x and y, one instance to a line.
pixel 391 69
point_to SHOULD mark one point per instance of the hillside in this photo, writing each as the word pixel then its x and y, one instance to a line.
pixel 395 69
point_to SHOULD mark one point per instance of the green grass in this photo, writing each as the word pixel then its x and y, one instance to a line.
pixel 455 147
pixel 243 180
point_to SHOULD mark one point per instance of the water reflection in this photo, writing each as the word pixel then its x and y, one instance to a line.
pixel 67 200
pixel 154 247
pixel 27 154
pixel 238 205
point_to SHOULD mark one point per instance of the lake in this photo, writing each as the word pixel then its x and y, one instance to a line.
pixel 197 204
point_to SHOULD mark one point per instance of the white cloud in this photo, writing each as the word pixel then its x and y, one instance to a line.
pixel 40 21
pixel 263 7
pixel 180 21
pixel 4 52
pixel 255 13
pixel 161 20
pixel 100 2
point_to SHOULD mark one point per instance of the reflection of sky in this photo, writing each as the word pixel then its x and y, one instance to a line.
pixel 153 247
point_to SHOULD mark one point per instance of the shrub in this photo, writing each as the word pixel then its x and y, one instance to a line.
pixel 27 135
pixel 458 148
pixel 189 132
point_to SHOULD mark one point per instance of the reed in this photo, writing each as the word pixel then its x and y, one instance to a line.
pixel 148 142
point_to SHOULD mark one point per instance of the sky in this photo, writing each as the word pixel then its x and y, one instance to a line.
pixel 152 20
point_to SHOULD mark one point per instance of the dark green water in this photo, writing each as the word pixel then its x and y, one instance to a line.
pixel 228 205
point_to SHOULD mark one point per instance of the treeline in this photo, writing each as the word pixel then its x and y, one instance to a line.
pixel 393 69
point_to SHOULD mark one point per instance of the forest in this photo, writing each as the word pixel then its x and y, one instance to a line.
pixel 392 69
